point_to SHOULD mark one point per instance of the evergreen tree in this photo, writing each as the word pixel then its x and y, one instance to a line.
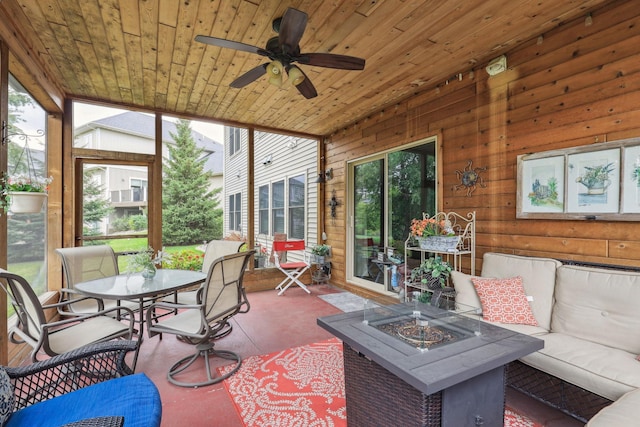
pixel 95 206
pixel 190 212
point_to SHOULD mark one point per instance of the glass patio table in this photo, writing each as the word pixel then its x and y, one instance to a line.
pixel 134 287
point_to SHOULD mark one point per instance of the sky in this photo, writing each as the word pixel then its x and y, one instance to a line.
pixel 84 113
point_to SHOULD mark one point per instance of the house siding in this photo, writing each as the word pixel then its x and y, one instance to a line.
pixel 277 158
pixel 235 179
pixel 289 157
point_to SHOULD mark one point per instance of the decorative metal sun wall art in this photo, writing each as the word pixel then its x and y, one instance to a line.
pixel 470 178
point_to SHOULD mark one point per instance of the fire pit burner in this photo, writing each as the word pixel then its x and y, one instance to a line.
pixel 418 333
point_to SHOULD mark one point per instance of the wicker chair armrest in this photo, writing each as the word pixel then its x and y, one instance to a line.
pixel 115 421
pixel 87 365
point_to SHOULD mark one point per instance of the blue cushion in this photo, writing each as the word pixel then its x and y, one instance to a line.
pixel 135 397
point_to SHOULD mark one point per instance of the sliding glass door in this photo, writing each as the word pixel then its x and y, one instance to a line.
pixel 385 192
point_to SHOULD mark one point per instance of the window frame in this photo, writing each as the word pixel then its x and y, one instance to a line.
pixel 293 206
pixel 264 211
pixel 235 212
pixel 235 138
pixel 274 226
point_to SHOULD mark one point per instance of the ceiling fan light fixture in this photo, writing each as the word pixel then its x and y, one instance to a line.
pixel 295 75
pixel 283 50
pixel 274 71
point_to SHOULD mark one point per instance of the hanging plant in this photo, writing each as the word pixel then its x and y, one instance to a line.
pixel 23 191
pixel 23 194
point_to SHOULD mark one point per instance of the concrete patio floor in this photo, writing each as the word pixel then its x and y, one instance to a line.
pixel 273 323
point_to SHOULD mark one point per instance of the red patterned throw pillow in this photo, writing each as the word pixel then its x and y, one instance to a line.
pixel 504 300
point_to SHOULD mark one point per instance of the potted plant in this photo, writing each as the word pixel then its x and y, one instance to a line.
pixel 320 252
pixel 23 193
pixel 434 234
pixel 144 262
pixel 433 272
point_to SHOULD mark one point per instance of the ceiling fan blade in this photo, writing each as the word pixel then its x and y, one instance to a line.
pixel 250 76
pixel 306 88
pixel 291 29
pixel 331 60
pixel 229 44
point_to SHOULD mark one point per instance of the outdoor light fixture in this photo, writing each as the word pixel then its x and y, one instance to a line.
pixel 326 176
pixel 497 65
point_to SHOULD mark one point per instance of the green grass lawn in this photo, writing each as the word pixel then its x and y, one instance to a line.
pixel 140 243
pixel 33 273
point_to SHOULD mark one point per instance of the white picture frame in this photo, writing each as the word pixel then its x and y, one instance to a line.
pixel 593 182
pixel 542 185
pixel 631 180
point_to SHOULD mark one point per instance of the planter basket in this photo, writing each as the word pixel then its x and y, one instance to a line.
pixel 318 259
pixel 26 202
pixel 439 243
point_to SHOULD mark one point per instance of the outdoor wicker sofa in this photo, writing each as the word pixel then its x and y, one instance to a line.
pixel 90 386
pixel 590 324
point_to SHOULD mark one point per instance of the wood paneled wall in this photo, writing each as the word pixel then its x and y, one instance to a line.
pixel 575 86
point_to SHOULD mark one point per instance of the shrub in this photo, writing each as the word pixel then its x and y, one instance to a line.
pixel 185 260
pixel 120 224
pixel 138 222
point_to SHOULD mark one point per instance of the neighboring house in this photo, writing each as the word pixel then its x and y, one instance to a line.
pixel 285 187
pixel 133 132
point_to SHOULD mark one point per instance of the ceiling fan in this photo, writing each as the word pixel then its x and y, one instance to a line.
pixel 283 51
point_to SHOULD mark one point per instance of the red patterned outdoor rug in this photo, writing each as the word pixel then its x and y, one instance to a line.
pixel 301 387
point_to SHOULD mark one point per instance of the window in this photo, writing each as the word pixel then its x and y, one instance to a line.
pixel 385 192
pixel 234 141
pixel 138 190
pixel 27 156
pixel 235 210
pixel 277 207
pixel 296 207
pixel 263 209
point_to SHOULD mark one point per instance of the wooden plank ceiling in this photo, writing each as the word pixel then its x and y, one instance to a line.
pixel 143 54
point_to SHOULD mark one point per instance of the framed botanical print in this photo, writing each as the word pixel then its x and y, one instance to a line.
pixel 543 183
pixel 599 181
pixel 631 180
pixel 593 181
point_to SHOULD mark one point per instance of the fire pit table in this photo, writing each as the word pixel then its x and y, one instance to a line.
pixel 414 364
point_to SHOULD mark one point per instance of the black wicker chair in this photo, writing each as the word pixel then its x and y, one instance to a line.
pixel 81 369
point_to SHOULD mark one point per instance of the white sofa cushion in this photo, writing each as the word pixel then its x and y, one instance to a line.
pixel 606 371
pixel 624 412
pixel 465 291
pixel 538 278
pixel 598 305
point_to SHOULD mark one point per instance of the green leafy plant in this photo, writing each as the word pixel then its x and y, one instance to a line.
pixel 145 260
pixel 321 250
pixel 433 267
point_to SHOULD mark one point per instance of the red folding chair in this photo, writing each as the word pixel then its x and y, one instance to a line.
pixel 292 269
